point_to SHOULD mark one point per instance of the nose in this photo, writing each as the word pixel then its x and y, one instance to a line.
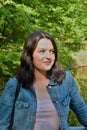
pixel 48 55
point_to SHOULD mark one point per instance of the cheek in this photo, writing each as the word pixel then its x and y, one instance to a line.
pixel 36 60
pixel 53 58
pixel 36 57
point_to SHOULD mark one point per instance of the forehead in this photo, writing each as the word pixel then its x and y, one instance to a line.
pixel 44 43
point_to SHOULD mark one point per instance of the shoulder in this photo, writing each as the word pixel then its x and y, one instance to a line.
pixel 69 75
pixel 69 78
pixel 12 82
pixel 10 85
pixel 9 91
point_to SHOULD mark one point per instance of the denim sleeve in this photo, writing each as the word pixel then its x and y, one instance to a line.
pixel 77 103
pixel 6 103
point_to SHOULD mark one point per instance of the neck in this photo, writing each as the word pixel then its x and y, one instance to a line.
pixel 39 76
pixel 40 83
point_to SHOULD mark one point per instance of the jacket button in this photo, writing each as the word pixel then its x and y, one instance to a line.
pixel 20 105
pixel 50 86
pixel 57 102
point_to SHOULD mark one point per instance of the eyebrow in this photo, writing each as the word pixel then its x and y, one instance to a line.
pixel 46 48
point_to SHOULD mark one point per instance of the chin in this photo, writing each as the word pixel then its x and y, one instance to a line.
pixel 48 69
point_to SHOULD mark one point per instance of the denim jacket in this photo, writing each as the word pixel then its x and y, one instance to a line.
pixel 63 96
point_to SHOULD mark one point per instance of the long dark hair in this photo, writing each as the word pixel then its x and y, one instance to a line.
pixel 25 72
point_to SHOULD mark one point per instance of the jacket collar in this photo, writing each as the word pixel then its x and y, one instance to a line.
pixel 52 82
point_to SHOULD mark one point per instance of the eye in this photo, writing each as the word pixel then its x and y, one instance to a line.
pixel 52 51
pixel 41 51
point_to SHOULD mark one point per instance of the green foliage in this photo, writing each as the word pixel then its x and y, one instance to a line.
pixel 15 22
pixel 10 59
pixel 73 119
pixel 64 56
pixel 65 20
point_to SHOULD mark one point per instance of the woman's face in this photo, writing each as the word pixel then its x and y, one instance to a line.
pixel 44 55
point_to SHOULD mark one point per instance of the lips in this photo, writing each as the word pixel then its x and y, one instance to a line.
pixel 47 62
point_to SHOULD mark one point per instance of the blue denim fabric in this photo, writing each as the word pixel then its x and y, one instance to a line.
pixel 64 97
pixel 77 128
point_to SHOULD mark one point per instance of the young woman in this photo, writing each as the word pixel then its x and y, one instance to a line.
pixel 47 91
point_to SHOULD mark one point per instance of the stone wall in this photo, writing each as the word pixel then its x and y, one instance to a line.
pixel 80 64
